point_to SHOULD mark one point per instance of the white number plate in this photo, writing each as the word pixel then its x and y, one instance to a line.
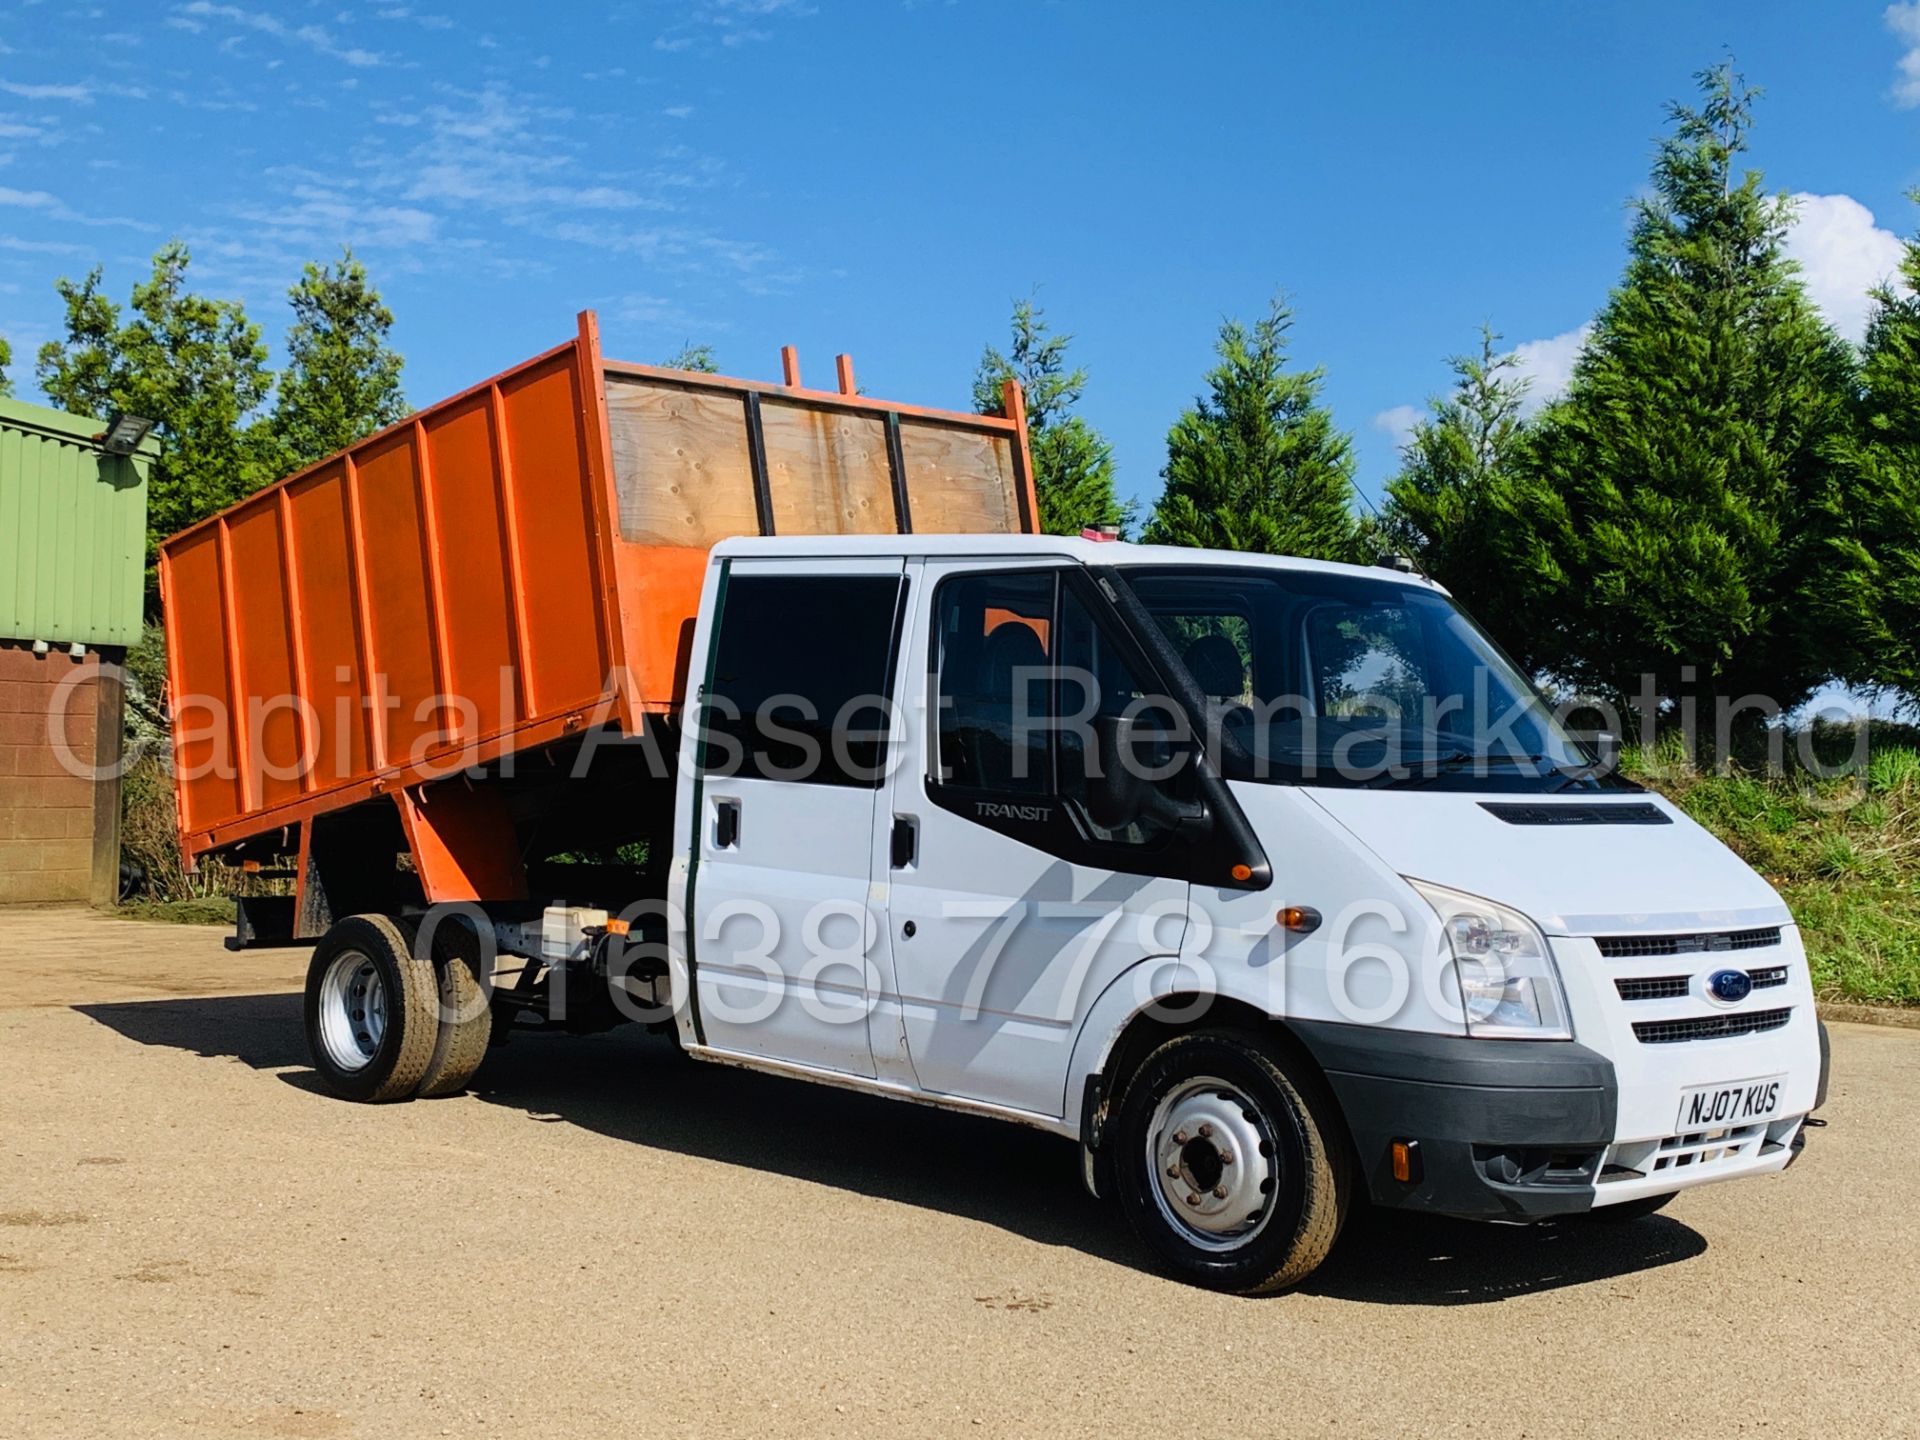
pixel 1742 1102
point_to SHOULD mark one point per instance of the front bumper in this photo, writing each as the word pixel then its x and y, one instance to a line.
pixel 1510 1130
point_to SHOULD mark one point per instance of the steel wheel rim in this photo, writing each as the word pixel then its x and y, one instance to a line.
pixel 353 1010
pixel 1214 1162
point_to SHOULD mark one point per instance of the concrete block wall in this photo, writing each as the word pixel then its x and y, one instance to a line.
pixel 59 831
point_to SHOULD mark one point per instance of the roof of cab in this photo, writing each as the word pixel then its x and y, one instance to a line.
pixel 1004 547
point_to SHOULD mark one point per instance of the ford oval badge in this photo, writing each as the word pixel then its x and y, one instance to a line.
pixel 1731 986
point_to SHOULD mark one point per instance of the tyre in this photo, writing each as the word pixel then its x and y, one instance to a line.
pixel 465 1010
pixel 1227 1166
pixel 371 1010
pixel 1630 1209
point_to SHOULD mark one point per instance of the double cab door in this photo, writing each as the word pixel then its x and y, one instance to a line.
pixel 897 873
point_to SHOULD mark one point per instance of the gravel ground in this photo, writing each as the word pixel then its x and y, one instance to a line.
pixel 606 1239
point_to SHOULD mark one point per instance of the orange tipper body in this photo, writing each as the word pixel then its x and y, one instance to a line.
pixel 518 563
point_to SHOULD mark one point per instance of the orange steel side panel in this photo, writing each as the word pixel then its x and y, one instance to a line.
pixel 462 842
pixel 431 599
pixel 659 597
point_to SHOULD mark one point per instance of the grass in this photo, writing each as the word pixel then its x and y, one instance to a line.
pixel 1843 852
pixel 211 910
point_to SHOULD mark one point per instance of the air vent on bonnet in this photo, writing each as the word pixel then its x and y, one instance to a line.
pixel 1524 814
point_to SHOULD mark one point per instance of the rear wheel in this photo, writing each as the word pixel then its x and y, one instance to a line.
pixel 371 1010
pixel 465 1010
pixel 1227 1165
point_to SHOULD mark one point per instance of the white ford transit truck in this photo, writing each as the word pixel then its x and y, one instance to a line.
pixel 1270 884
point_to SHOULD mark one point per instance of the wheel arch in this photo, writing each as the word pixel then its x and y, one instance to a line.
pixel 1144 1006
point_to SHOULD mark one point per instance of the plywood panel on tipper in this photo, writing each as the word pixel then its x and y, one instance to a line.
pixel 680 463
pixel 827 471
pixel 959 481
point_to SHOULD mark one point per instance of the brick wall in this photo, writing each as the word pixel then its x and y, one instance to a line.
pixel 59 832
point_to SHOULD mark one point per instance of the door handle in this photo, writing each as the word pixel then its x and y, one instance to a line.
pixel 906 841
pixel 726 824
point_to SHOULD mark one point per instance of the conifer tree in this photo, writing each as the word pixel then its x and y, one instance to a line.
pixel 1674 508
pixel 1441 506
pixel 342 380
pixel 6 359
pixel 1874 604
pixel 1256 463
pixel 1072 464
pixel 697 358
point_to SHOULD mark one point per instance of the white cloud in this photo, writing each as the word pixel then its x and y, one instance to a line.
pixel 1547 366
pixel 39 247
pixel 1842 255
pixel 730 21
pixel 1904 21
pixel 425 22
pixel 79 94
pixel 321 219
pixel 476 160
pixel 1399 422
pixel 55 208
pixel 314 37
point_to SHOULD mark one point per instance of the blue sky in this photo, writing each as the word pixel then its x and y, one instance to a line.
pixel 884 177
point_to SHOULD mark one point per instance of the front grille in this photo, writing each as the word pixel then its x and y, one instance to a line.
pixel 1657 987
pixel 1709 1027
pixel 1678 987
pixel 1634 947
pixel 1707 1147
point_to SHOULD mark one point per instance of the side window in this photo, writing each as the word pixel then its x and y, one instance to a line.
pixel 993 690
pixel 1037 702
pixel 800 676
pixel 1117 717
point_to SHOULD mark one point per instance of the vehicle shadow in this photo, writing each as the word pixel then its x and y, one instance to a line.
pixel 640 1089
pixel 1394 1258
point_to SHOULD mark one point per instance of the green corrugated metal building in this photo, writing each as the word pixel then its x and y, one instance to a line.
pixel 73 536
pixel 73 530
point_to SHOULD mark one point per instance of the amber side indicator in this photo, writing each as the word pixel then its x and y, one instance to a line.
pixel 1405 1155
pixel 1301 919
pixel 1241 872
pixel 617 926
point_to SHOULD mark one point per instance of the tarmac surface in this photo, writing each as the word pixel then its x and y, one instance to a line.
pixel 606 1239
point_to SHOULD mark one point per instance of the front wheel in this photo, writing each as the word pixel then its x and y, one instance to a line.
pixel 1228 1167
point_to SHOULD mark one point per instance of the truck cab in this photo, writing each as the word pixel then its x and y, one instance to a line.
pixel 1271 883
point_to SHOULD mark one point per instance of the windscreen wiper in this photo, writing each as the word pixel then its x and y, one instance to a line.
pixel 1457 758
pixel 1572 775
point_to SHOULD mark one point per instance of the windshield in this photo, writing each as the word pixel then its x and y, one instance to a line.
pixel 1326 679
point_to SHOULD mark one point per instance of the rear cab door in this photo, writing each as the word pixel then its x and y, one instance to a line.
pixel 782 760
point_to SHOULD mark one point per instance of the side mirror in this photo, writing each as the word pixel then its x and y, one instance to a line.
pixel 1120 794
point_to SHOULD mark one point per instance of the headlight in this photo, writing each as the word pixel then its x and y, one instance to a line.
pixel 1509 988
